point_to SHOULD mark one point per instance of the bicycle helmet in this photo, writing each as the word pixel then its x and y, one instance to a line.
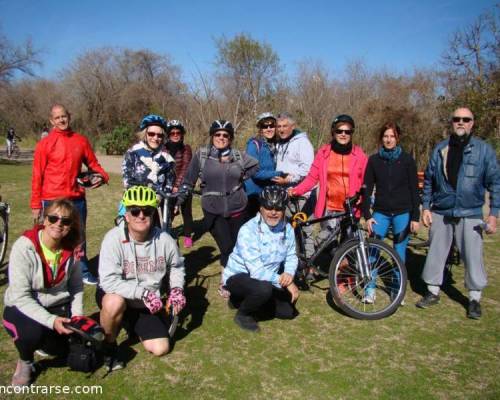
pixel 274 197
pixel 343 118
pixel 175 124
pixel 222 125
pixel 86 327
pixel 88 178
pixel 264 116
pixel 153 119
pixel 142 196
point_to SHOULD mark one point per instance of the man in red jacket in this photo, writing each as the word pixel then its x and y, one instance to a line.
pixel 57 163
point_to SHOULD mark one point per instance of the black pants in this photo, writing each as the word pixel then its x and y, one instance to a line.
pixel 187 216
pixel 225 231
pixel 253 206
pixel 29 335
pixel 255 296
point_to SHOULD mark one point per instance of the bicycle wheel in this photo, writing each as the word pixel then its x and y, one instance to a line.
pixel 375 296
pixel 4 235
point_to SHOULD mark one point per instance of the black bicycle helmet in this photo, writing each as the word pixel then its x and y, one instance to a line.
pixel 153 119
pixel 343 118
pixel 222 125
pixel 274 197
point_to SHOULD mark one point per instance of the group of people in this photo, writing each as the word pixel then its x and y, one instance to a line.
pixel 244 196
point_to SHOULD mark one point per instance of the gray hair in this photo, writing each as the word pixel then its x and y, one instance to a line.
pixel 286 115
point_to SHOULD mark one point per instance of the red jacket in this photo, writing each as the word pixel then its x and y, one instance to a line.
pixel 57 162
pixel 318 174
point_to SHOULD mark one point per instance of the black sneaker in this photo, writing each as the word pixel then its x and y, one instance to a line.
pixel 428 300
pixel 474 309
pixel 246 322
pixel 111 359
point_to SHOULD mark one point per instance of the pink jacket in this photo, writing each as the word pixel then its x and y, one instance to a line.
pixel 319 170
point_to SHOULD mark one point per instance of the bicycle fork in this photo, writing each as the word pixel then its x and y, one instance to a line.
pixel 362 257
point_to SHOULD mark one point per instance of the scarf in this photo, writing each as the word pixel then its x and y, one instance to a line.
pixel 174 147
pixel 343 149
pixel 455 154
pixel 390 155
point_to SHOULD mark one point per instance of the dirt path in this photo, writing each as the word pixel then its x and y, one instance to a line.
pixel 111 164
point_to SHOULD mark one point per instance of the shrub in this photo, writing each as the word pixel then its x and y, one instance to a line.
pixel 118 140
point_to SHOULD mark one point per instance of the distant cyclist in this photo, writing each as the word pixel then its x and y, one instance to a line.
pixel 139 266
pixel 182 154
pixel 10 139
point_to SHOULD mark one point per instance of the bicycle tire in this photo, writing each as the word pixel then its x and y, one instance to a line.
pixel 4 237
pixel 348 287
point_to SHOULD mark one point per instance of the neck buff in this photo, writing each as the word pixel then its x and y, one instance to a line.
pixel 341 148
pixel 390 155
pixel 174 147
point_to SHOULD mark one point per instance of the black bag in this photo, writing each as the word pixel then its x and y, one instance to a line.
pixel 82 354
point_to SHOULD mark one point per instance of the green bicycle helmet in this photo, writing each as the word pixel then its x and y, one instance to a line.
pixel 141 196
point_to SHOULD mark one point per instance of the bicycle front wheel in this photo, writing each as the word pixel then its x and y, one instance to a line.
pixel 4 235
pixel 367 282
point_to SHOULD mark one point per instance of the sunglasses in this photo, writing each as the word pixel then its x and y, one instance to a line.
pixel 222 135
pixel 463 119
pixel 175 133
pixel 146 211
pixel 346 131
pixel 275 208
pixel 153 134
pixel 66 221
pixel 268 126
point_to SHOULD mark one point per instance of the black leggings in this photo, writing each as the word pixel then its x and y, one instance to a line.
pixel 254 296
pixel 29 335
pixel 187 216
pixel 225 232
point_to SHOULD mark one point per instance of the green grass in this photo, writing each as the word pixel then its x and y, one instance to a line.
pixel 414 354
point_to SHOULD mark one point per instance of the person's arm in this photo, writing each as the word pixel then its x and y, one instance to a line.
pixel 39 164
pixel 253 151
pixel 291 261
pixel 305 155
pixel 111 264
pixel 92 163
pixel 413 186
pixel 21 266
pixel 369 182
pixel 492 184
pixel 176 262
pixel 75 288
pixel 127 169
pixel 251 166
pixel 428 178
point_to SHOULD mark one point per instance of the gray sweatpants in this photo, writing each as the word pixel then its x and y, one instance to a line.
pixel 469 241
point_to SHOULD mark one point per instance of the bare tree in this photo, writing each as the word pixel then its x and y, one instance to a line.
pixel 15 59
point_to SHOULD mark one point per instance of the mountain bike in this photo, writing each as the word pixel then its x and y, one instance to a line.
pixel 4 232
pixel 15 151
pixel 360 264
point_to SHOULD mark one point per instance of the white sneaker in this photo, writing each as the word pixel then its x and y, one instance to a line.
pixel 369 297
pixel 42 353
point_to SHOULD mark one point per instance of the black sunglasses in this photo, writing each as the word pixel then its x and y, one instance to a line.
pixel 275 208
pixel 268 126
pixel 158 135
pixel 464 119
pixel 66 221
pixel 222 135
pixel 136 211
pixel 346 131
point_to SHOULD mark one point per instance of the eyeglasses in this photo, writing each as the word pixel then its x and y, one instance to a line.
pixel 136 211
pixel 464 119
pixel 346 131
pixel 222 135
pixel 66 221
pixel 268 126
pixel 176 133
pixel 153 134
pixel 275 208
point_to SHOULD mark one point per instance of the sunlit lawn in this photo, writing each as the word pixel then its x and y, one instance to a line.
pixel 322 354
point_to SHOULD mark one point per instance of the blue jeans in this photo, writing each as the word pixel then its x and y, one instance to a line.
pixel 81 207
pixel 399 223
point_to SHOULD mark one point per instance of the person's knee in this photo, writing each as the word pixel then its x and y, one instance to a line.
pixel 113 305
pixel 263 289
pixel 157 347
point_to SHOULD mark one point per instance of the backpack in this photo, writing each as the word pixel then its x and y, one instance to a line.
pixel 238 157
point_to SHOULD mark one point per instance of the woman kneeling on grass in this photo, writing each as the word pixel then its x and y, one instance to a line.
pixel 260 270
pixel 45 286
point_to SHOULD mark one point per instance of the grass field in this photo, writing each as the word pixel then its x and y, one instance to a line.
pixel 415 354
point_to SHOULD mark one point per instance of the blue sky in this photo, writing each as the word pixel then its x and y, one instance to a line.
pixel 399 35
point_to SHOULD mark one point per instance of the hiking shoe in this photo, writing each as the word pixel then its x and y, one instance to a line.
pixel 369 297
pixel 474 310
pixel 89 279
pixel 24 373
pixel 428 300
pixel 246 322
pixel 188 242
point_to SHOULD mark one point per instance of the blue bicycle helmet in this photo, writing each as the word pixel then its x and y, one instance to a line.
pixel 153 119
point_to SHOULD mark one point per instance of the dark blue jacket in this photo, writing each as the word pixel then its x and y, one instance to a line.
pixel 260 150
pixel 479 171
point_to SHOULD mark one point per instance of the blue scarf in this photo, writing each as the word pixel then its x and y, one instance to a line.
pixel 390 155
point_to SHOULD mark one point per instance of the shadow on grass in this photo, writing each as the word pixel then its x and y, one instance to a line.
pixel 198 259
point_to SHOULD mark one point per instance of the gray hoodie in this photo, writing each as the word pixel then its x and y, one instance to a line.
pixel 295 156
pixel 127 267
pixel 28 290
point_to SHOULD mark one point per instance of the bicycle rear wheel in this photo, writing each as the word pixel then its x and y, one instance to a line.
pixel 4 235
pixel 367 297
